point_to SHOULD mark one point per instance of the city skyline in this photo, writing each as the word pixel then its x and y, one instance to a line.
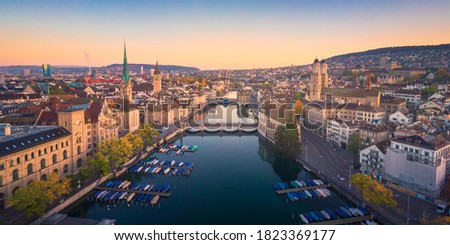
pixel 213 34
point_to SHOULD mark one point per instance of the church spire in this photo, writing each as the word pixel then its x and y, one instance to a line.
pixel 125 74
pixel 157 70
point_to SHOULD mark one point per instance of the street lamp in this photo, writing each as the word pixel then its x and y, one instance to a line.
pixel 350 166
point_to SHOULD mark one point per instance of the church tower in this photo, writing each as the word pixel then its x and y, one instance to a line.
pixel 156 80
pixel 324 73
pixel 126 88
pixel 315 81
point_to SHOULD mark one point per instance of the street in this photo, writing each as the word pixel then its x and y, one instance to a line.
pixel 330 162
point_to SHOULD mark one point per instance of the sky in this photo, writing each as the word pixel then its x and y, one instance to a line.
pixel 212 34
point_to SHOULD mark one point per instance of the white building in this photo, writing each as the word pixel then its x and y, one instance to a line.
pixel 372 159
pixel 401 118
pixel 418 163
pixel 339 131
pixel 410 96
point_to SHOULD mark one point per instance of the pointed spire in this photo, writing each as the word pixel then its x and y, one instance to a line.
pixel 125 74
pixel 157 70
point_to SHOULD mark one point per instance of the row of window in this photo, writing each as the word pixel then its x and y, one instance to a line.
pixel 32 156
pixel 15 172
pixel 54 158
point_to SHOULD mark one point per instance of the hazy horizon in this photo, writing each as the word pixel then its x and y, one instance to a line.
pixel 212 35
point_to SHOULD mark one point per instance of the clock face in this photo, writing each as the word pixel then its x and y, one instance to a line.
pixel 77 122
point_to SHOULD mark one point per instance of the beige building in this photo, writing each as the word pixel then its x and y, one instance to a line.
pixel 32 153
pixel 369 97
pixel 373 134
pixel 157 76
pixel 318 79
pixel 160 115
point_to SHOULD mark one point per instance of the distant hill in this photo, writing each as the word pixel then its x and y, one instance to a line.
pixel 425 56
pixel 166 68
pixel 132 67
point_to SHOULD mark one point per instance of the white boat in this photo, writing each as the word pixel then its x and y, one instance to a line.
pixel 308 194
pixel 359 212
pixel 146 187
pixel 154 161
pixel 299 183
pixel 154 170
pixel 162 163
pixel 325 214
pixel 130 196
pixel 303 183
pixel 172 163
pixel 123 195
pixel 321 193
pixel 174 171
pixel 316 182
pixel 101 194
pixel 167 170
pixel 154 200
pixel 126 185
pixel 180 164
pixel 327 191
pixel 320 181
pixel 346 211
pixel 304 219
pixel 318 193
pixel 139 169
pixel 158 170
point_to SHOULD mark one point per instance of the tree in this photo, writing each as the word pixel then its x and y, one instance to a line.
pixel 148 134
pixel 373 191
pixel 298 107
pixel 430 90
pixel 440 220
pixel 98 162
pixel 354 141
pixel 135 141
pixel 287 140
pixel 441 75
pixel 298 95
pixel 38 195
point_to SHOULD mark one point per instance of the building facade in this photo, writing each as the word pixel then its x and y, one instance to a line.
pixel 31 153
pixel 157 76
pixel 339 131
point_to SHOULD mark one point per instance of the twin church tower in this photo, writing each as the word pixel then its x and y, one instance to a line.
pixel 318 80
pixel 126 87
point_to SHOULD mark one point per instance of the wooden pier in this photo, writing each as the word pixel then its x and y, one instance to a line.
pixel 343 221
pixel 280 192
pixel 161 194
pixel 173 167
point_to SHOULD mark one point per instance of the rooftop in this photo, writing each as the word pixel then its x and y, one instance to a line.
pixel 24 137
pixel 424 141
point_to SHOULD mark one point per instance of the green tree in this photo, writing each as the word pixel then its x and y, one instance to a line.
pixel 287 140
pixel 298 95
pixel 38 195
pixel 430 90
pixel 57 91
pixel 98 162
pixel 373 191
pixel 148 134
pixel 135 141
pixel 441 75
pixel 354 142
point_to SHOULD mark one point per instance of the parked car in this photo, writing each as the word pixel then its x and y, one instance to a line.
pixel 340 177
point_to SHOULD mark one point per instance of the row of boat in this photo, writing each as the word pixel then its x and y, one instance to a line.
pixel 113 196
pixel 299 183
pixel 328 214
pixel 126 184
pixel 157 170
pixel 309 194
pixel 173 163
pixel 179 149
pixel 215 130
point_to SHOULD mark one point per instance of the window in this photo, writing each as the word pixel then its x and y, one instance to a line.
pixel 66 169
pixel 15 174
pixel 39 153
pixel 51 148
pixel 2 166
pixel 18 160
pixel 11 163
pixel 65 154
pixel 55 171
pixel 78 150
pixel 45 150
pixel 54 160
pixel 427 153
pixel 42 163
pixel 32 155
pixel 396 147
pixel 44 177
pixel 30 169
pixel 1 181
pixel 26 157
pixel 62 144
pixel 56 146
pixel 79 163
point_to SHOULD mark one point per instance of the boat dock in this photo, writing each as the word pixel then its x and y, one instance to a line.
pixel 280 192
pixel 172 167
pixel 161 194
pixel 343 221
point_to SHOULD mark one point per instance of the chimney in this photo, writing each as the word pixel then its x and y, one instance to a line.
pixel 5 129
